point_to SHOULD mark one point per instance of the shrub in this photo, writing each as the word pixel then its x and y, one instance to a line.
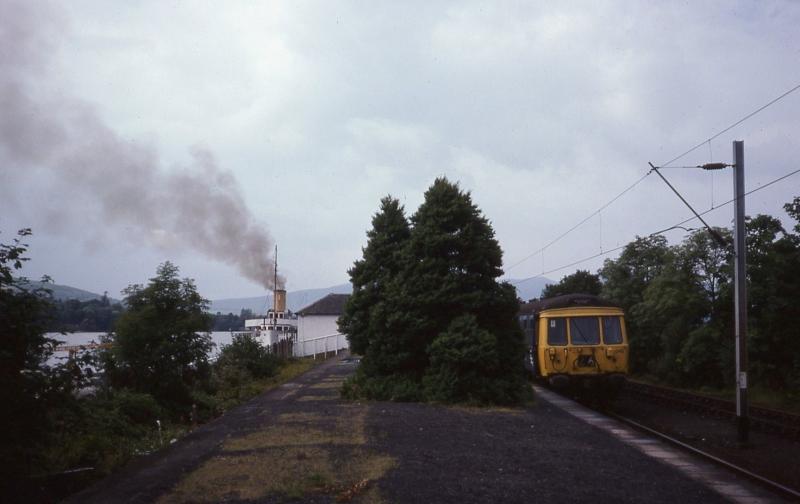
pixel 245 353
pixel 465 367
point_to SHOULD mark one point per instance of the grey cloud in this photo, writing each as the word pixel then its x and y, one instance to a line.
pixel 199 206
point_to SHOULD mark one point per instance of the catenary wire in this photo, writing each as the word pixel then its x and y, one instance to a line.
pixel 663 165
pixel 737 123
pixel 576 226
pixel 775 181
pixel 676 226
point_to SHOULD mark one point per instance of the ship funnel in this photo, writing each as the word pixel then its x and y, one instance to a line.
pixel 279 303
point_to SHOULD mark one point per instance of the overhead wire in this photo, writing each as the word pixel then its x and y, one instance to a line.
pixel 676 226
pixel 737 123
pixel 638 181
pixel 764 186
pixel 576 226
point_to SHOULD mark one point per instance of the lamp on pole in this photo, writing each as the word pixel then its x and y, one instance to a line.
pixel 740 293
pixel 740 288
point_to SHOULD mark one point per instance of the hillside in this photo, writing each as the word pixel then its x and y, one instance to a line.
pixel 295 300
pixel 64 292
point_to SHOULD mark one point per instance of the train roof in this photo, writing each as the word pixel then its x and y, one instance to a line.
pixel 565 301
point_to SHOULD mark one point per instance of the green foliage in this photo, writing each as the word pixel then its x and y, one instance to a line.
pixel 32 393
pixel 465 366
pixel 793 209
pixel 230 321
pixel 393 387
pixel 700 358
pixel 580 282
pixel 679 305
pixel 364 317
pixel 625 281
pixel 159 345
pixel 446 268
pixel 158 370
pixel 94 315
pixel 247 353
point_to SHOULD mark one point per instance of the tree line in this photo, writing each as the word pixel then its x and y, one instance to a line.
pixel 679 304
pixel 100 315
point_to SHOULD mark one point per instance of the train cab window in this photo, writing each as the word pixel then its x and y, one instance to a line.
pixel 612 331
pixel 584 330
pixel 556 331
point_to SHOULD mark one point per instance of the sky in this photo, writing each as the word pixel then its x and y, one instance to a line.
pixel 203 132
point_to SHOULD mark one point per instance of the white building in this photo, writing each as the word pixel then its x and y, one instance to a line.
pixel 317 332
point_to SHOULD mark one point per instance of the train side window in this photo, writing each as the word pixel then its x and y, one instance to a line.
pixel 612 331
pixel 584 330
pixel 556 331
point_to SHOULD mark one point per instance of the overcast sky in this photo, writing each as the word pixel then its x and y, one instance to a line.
pixel 543 110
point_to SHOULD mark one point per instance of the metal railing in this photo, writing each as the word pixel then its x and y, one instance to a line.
pixel 321 345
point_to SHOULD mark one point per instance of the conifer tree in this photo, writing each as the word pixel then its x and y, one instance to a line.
pixel 362 320
pixel 450 268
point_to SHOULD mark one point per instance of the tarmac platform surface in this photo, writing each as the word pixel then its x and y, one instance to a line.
pixel 302 443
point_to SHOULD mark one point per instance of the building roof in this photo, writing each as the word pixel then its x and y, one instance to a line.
pixel 332 304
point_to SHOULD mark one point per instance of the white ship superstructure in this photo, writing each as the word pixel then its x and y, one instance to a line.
pixel 278 325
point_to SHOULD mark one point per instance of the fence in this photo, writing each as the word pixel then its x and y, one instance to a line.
pixel 322 345
pixel 282 348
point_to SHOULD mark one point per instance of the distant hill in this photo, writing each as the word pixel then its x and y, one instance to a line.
pixel 64 292
pixel 530 288
pixel 295 300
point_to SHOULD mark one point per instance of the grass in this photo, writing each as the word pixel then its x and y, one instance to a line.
pixel 311 398
pixel 299 454
pixel 229 397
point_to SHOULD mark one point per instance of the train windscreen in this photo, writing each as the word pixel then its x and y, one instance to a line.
pixel 584 330
pixel 556 331
pixel 612 331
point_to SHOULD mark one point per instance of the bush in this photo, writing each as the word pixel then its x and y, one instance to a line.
pixel 381 388
pixel 465 367
pixel 245 353
pixel 140 409
pixel 699 359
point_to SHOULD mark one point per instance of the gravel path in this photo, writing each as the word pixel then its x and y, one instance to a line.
pixel 301 443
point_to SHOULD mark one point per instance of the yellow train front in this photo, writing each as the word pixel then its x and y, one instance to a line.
pixel 576 340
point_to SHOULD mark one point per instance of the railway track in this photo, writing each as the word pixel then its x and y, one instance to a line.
pixel 766 483
pixel 763 419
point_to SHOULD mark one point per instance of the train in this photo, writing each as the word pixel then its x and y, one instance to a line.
pixel 577 342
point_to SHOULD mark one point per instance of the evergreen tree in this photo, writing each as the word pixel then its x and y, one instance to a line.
pixel 449 270
pixel 363 321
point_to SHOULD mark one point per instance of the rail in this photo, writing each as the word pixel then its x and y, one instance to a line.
pixel 764 419
pixel 766 483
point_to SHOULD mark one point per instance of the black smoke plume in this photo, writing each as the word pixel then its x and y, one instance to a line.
pixel 63 140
